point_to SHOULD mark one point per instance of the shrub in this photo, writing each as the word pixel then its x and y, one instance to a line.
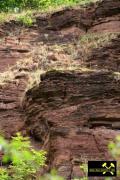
pixel 23 161
pixel 52 176
pixel 114 148
pixel 25 20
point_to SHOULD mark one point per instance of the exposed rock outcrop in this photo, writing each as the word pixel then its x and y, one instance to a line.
pixel 106 17
pixel 107 57
pixel 73 114
pixel 11 114
pixel 103 16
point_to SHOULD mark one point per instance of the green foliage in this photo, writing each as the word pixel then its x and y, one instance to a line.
pixel 84 168
pixel 2 17
pixel 114 148
pixel 25 20
pixel 52 176
pixel 4 174
pixel 25 161
pixel 11 5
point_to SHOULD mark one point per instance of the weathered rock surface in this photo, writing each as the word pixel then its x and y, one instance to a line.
pixel 104 16
pixel 73 114
pixel 11 114
pixel 13 86
pixel 11 51
pixel 70 23
pixel 107 57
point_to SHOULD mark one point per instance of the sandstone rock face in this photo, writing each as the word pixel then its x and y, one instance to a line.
pixel 10 52
pixel 11 114
pixel 107 57
pixel 12 84
pixel 106 17
pixel 70 23
pixel 103 16
pixel 73 114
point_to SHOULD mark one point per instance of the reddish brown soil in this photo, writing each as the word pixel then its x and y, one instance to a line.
pixel 71 114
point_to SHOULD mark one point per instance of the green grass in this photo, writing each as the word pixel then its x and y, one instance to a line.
pixel 82 48
pixel 4 17
pixel 26 19
pixel 15 5
pixel 24 10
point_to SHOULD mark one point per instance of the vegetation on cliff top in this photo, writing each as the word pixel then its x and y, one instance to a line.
pixel 23 10
pixel 8 5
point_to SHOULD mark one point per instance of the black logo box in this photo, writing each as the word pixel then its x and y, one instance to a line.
pixel 95 168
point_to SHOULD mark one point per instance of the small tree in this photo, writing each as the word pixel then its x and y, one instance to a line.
pixel 23 161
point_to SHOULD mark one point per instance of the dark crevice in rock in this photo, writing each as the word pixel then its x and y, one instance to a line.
pixel 112 122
